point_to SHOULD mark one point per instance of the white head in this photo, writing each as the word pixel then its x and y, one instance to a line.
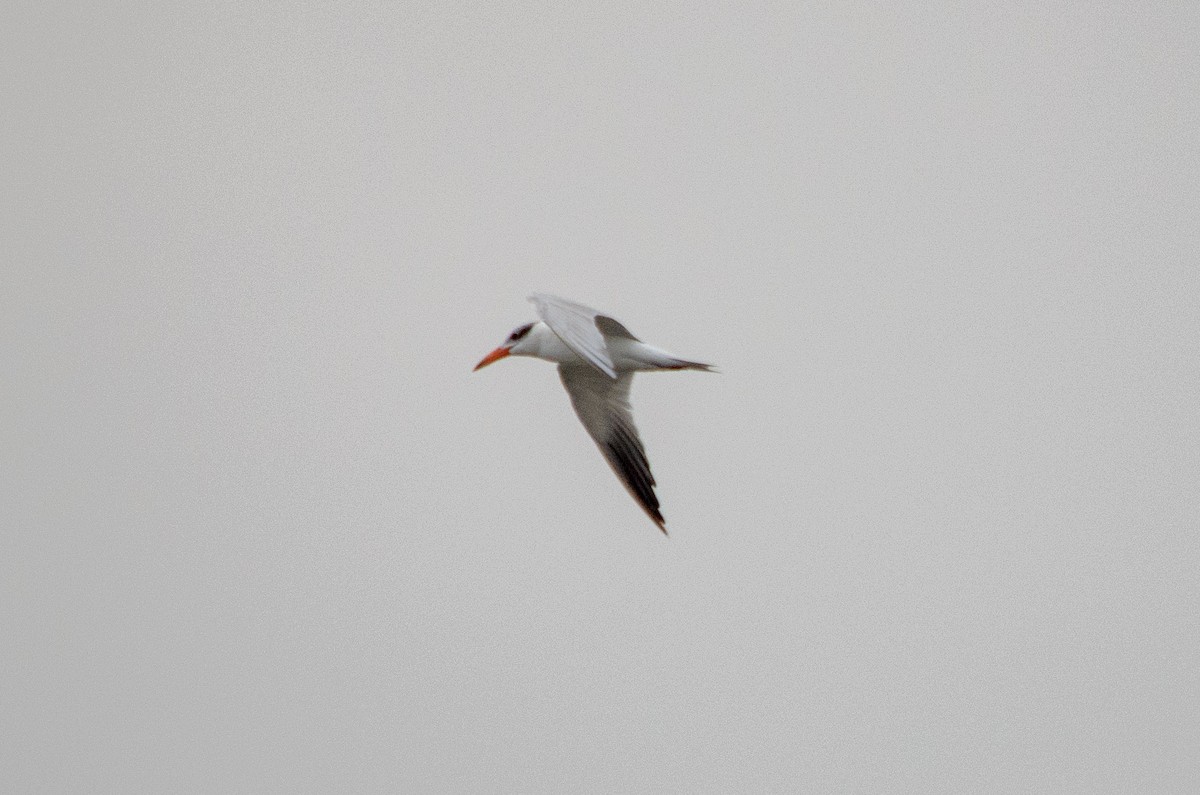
pixel 519 343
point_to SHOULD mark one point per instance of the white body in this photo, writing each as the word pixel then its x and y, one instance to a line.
pixel 627 355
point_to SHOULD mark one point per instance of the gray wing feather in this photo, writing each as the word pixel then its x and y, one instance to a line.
pixel 602 405
pixel 577 326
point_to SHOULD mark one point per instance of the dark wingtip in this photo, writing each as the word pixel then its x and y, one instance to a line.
pixel 657 517
pixel 655 514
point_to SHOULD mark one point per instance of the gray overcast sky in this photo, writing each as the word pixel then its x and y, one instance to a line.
pixel 934 526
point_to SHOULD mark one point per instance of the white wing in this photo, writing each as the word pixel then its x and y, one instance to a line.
pixel 602 404
pixel 583 329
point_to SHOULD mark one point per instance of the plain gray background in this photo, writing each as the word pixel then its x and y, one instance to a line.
pixel 933 526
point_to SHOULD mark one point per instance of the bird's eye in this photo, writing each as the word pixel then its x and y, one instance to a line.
pixel 521 332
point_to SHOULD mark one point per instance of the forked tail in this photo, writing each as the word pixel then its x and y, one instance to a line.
pixel 683 364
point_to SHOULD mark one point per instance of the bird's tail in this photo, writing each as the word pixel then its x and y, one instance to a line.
pixel 684 364
pixel 647 357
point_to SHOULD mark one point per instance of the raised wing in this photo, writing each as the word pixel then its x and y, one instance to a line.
pixel 602 404
pixel 583 329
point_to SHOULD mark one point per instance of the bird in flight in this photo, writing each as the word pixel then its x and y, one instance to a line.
pixel 596 358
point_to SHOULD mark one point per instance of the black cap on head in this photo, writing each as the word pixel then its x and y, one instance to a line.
pixel 521 332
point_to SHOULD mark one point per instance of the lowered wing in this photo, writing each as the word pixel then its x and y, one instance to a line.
pixel 602 404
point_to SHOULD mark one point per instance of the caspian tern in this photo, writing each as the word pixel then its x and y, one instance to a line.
pixel 596 358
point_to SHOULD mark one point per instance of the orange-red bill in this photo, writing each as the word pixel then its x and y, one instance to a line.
pixel 495 355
